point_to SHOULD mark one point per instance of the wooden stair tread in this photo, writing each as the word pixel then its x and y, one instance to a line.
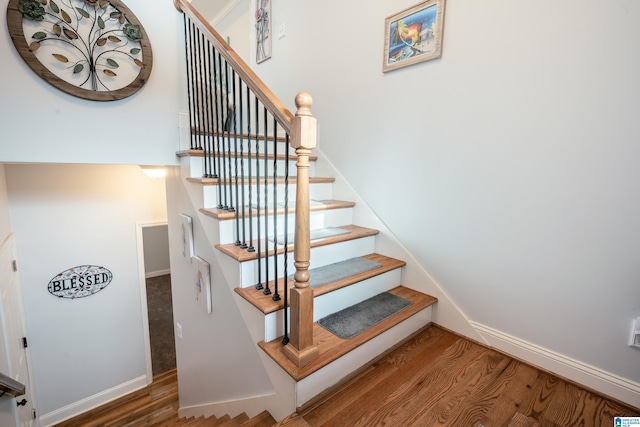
pixel 222 215
pixel 293 420
pixel 266 304
pixel 197 131
pixel 242 255
pixel 332 347
pixel 200 153
pixel 236 421
pixel 254 181
pixel 263 419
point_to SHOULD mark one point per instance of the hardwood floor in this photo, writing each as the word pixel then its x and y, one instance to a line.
pixel 437 378
pixel 440 379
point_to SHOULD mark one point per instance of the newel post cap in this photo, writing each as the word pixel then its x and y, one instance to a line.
pixel 303 103
pixel 303 129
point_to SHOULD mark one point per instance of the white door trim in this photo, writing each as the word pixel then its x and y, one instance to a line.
pixel 143 293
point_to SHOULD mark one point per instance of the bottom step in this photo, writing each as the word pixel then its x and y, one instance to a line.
pixel 331 347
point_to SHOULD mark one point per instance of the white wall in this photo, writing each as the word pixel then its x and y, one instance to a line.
pixel 7 416
pixel 156 250
pixel 39 123
pixel 507 167
pixel 217 360
pixel 5 223
pixel 70 215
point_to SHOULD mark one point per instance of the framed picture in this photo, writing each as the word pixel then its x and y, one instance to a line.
pixel 413 35
pixel 186 236
pixel 202 283
pixel 263 30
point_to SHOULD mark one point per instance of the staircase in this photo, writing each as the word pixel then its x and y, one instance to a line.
pixel 339 240
pixel 294 258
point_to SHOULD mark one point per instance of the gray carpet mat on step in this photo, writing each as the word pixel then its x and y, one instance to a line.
pixel 358 318
pixel 320 233
pixel 340 270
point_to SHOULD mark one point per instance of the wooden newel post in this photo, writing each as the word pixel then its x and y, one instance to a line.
pixel 301 349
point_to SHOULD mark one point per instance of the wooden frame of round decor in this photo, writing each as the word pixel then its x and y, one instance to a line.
pixel 14 25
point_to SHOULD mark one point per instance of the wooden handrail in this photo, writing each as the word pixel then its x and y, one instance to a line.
pixel 302 129
pixel 257 86
pixel 11 387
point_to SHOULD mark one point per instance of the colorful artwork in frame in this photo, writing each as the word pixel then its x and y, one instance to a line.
pixel 186 237
pixel 413 35
pixel 263 30
pixel 202 283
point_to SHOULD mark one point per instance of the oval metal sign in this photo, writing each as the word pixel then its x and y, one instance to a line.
pixel 79 282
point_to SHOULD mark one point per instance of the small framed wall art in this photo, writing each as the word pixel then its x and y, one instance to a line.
pixel 186 237
pixel 413 35
pixel 263 30
pixel 202 283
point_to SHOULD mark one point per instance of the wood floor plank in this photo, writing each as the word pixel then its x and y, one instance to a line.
pixel 365 393
pixel 461 384
pixel 508 404
pixel 436 378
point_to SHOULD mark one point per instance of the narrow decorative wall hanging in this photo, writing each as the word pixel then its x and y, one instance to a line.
pixel 91 49
pixel 186 235
pixel 202 283
pixel 79 282
pixel 263 30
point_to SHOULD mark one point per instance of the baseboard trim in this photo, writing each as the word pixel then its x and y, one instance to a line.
pixel 601 381
pixel 252 406
pixel 157 273
pixel 86 404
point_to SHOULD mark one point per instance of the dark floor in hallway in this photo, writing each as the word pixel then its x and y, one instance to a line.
pixel 160 307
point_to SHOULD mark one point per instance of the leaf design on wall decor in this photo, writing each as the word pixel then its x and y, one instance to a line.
pixel 60 57
pixel 95 37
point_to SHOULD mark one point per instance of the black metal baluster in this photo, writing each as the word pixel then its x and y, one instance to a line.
pixel 235 157
pixel 216 128
pixel 285 340
pixel 276 295
pixel 196 93
pixel 220 140
pixel 250 248
pixel 259 254
pixel 206 124
pixel 225 142
pixel 227 126
pixel 213 111
pixel 243 243
pixel 267 290
pixel 213 114
pixel 202 114
pixel 188 37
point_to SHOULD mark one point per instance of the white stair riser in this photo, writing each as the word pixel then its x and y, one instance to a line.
pixel 318 220
pixel 335 301
pixel 320 256
pixel 197 167
pixel 331 374
pixel 322 191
